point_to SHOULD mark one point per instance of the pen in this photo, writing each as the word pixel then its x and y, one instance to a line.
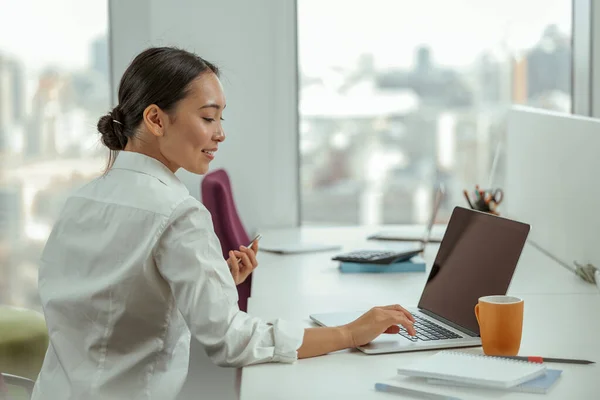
pixel 382 387
pixel 540 360
pixel 468 199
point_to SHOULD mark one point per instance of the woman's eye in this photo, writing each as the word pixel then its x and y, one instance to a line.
pixel 209 119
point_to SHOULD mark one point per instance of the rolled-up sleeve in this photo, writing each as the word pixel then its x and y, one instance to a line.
pixel 189 257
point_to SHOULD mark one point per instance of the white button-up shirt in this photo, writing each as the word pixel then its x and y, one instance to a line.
pixel 132 270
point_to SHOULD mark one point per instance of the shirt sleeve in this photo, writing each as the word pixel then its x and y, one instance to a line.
pixel 189 257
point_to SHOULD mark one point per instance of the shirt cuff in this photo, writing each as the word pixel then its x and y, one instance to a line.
pixel 287 338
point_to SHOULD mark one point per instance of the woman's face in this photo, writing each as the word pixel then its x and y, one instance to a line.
pixel 192 132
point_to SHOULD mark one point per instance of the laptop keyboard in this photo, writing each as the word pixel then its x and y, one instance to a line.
pixel 427 330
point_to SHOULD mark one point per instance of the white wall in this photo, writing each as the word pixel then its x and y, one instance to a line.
pixel 254 43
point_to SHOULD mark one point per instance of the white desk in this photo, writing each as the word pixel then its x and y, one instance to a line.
pixel 554 325
pixel 562 318
pixel 316 275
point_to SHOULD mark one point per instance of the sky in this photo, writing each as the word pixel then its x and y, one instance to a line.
pixel 59 32
pixel 56 32
pixel 333 31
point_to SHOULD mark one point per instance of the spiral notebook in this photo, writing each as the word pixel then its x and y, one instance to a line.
pixel 541 384
pixel 474 369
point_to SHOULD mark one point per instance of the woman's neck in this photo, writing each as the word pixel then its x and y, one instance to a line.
pixel 148 149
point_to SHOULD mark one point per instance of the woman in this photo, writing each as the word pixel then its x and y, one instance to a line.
pixel 133 268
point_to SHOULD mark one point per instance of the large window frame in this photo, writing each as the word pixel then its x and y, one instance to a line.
pixel 585 87
pixel 582 61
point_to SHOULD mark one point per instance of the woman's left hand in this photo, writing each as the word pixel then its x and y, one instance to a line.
pixel 240 270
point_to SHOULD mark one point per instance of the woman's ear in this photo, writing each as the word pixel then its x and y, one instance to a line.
pixel 154 119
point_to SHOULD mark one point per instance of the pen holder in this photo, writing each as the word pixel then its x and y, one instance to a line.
pixel 485 200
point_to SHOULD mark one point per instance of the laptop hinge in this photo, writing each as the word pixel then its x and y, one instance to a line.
pixel 452 324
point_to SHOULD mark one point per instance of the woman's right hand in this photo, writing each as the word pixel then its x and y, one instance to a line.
pixel 379 320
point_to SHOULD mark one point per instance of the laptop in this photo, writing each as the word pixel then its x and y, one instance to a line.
pixel 477 257
pixel 426 237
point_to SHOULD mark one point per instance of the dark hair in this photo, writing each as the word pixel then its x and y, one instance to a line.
pixel 158 75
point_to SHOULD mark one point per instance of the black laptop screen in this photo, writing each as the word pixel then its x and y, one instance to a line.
pixel 477 257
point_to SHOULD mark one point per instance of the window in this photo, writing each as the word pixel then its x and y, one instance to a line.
pixel 396 95
pixel 54 85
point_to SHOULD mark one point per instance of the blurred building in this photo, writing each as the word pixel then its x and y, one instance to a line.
pixel 12 100
pixel 542 75
pixel 11 213
pixel 99 56
pixel 549 64
pixel 434 85
pixel 41 129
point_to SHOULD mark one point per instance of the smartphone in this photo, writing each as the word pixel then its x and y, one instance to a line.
pixel 256 239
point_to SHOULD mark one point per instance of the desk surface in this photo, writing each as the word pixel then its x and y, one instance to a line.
pixel 562 318
pixel 554 325
pixel 315 274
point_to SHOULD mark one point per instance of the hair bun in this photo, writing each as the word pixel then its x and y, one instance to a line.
pixel 111 127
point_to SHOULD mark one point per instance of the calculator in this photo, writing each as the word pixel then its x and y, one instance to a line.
pixel 377 256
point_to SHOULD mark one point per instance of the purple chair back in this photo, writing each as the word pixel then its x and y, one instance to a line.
pixel 217 197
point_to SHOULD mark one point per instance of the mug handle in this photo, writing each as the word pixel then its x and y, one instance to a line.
pixel 477 312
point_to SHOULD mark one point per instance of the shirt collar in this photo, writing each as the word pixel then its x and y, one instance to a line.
pixel 141 163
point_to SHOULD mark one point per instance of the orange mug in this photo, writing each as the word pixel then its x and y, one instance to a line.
pixel 500 321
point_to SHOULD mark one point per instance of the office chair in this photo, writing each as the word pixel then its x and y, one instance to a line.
pixel 217 197
pixel 14 387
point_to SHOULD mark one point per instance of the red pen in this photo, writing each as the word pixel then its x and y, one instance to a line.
pixel 539 360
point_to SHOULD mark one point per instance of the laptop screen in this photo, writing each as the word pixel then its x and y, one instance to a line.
pixel 477 257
